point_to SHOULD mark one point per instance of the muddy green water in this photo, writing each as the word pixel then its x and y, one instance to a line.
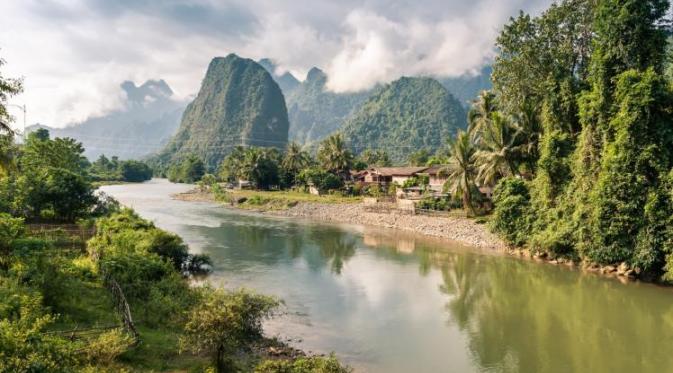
pixel 390 302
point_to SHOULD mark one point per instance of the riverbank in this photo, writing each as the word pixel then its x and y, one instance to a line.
pixel 351 211
pixel 335 209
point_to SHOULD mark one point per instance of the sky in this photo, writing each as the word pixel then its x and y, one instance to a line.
pixel 74 54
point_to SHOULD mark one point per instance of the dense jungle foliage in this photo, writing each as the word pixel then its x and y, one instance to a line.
pixel 597 186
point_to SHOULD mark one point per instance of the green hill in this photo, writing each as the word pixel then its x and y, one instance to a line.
pixel 404 116
pixel 239 103
pixel 315 112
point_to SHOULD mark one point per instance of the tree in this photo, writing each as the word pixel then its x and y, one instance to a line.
pixel 294 160
pixel 8 87
pixel 41 151
pixel 231 164
pixel 498 150
pixel 334 156
pixel 135 171
pixel 479 115
pixel 224 323
pixel 419 157
pixel 460 170
pixel 260 166
pixel 189 170
pixel 378 158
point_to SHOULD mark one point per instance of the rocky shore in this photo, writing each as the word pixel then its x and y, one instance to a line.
pixel 462 230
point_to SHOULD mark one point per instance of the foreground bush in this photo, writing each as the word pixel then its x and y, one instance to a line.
pixel 225 323
pixel 314 364
pixel 512 214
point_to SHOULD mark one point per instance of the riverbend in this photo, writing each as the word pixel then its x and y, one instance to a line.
pixel 386 301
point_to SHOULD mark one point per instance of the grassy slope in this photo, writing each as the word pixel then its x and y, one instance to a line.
pixel 87 304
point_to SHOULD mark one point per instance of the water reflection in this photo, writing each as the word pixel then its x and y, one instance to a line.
pixel 532 318
pixel 392 302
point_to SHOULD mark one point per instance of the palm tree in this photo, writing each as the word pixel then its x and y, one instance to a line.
pixel 460 168
pixel 334 156
pixel 527 121
pixel 498 150
pixel 480 114
pixel 293 162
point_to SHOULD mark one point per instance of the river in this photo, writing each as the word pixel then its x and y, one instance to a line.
pixel 390 302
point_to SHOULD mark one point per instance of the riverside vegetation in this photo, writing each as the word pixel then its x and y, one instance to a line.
pixel 88 286
pixel 575 138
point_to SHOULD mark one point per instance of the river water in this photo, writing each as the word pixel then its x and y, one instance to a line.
pixel 390 302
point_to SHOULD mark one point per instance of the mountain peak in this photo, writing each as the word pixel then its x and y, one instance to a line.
pixel 238 104
pixel 315 74
pixel 286 80
pixel 151 90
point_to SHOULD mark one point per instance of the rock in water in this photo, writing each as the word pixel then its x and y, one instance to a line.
pixel 239 103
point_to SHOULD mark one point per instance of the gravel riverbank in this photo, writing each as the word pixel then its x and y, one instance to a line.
pixel 465 231
pixel 462 230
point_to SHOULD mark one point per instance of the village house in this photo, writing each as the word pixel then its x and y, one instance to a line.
pixel 388 175
pixel 436 179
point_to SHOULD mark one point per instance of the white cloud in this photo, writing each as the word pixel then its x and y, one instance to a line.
pixel 75 53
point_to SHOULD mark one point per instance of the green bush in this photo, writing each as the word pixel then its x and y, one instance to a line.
pixel 512 214
pixel 10 229
pixel 107 347
pixel 313 364
pixel 24 347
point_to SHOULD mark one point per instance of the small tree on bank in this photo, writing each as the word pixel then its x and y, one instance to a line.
pixel 224 323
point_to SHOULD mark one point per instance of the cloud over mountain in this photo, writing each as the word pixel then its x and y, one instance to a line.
pixel 74 52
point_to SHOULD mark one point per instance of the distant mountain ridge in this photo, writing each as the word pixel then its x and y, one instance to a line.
pixel 286 81
pixel 315 112
pixel 150 116
pixel 239 103
pixel 404 116
pixel 466 87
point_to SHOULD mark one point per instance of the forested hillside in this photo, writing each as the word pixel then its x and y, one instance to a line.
pixel 239 103
pixel 315 112
pixel 405 116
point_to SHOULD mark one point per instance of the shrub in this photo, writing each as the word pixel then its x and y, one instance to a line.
pixel 107 347
pixel 313 364
pixel 512 214
pixel 10 229
pixel 135 171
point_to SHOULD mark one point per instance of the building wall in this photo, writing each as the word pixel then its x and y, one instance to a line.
pixel 400 179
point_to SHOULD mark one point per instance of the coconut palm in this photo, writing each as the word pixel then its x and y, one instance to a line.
pixel 498 150
pixel 295 158
pixel 294 161
pixel 334 156
pixel 480 114
pixel 527 121
pixel 460 169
